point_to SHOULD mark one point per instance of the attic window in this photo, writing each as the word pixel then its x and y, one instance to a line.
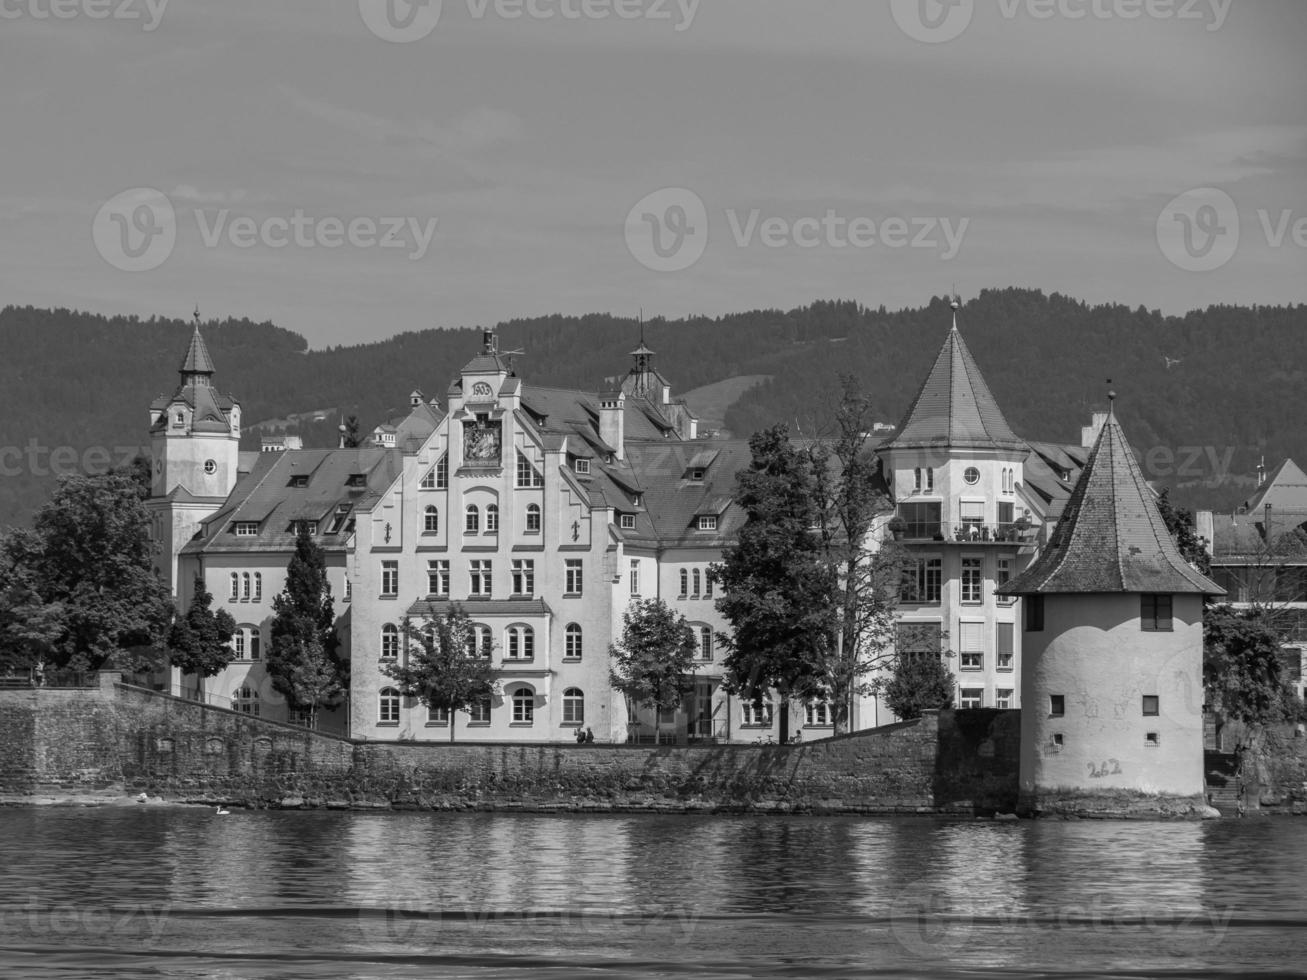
pixel 696 473
pixel 707 522
pixel 310 527
pixel 581 466
pixel 357 480
pixel 337 522
pixel 245 529
pixel 298 480
pixel 628 522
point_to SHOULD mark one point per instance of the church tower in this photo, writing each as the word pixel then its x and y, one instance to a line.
pixel 1112 674
pixel 195 449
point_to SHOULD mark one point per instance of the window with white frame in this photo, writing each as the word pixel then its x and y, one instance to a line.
pixel 1004 640
pixel 685 582
pixel 480 574
pixel 1003 697
pixel 246 590
pixel 527 476
pixel 971 579
pixel 573 581
pixel 707 522
pixel 390 642
pixel 258 587
pixel 532 518
pixel 428 480
pixel 235 586
pixel 388 706
pixel 707 583
pixel 348 590
pixel 479 712
pixel 479 641
pixel 246 700
pixel 971 642
pixel 972 515
pixel 627 522
pixel 635 576
pixel 472 519
pixel 431 520
pixel 1003 575
pixel 572 642
pixel 520 642
pixel 573 706
pixel 581 466
pixel 246 529
pixel 390 578
pixel 816 714
pixel 437 715
pixel 756 714
pixel 247 642
pixel 438 576
pixel 923 581
pixel 492 518
pixel 524 576
pixel 697 579
pixel 971 697
pixel 705 642
pixel 524 706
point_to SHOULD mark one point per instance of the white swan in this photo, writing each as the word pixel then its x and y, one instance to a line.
pixel 222 811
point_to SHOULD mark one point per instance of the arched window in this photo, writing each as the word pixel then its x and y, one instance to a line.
pixel 388 706
pixel 685 582
pixel 258 586
pixel 256 643
pixel 521 642
pixel 492 517
pixel 572 642
pixel 431 520
pixel 235 586
pixel 245 585
pixel 390 642
pixel 707 584
pixel 478 641
pixel 705 642
pixel 472 523
pixel 533 518
pixel 697 582
pixel 245 641
pixel 524 706
pixel 573 706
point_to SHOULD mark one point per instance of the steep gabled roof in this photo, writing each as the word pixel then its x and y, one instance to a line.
pixel 1285 490
pixel 1111 537
pixel 954 407
pixel 197 360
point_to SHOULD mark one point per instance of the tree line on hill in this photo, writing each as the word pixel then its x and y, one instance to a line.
pixel 1229 382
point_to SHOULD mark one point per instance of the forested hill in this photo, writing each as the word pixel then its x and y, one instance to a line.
pixel 1234 387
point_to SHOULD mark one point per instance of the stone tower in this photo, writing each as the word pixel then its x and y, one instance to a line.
pixel 1112 672
pixel 195 450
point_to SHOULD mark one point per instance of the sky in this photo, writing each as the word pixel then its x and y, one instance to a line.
pixel 352 169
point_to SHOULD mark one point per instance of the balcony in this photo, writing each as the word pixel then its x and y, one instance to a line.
pixel 969 533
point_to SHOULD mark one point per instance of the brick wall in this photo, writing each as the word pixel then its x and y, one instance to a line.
pixel 145 741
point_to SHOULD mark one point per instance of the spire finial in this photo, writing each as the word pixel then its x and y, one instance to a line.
pixel 196 314
pixel 955 302
pixel 641 315
pixel 1111 400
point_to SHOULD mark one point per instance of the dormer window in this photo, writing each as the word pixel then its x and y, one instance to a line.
pixel 707 522
pixel 357 480
pixel 299 480
pixel 245 529
pixel 338 521
pixel 627 522
pixel 696 474
pixel 309 527
pixel 179 420
pixel 581 466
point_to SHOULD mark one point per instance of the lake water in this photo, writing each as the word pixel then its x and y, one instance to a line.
pixel 172 892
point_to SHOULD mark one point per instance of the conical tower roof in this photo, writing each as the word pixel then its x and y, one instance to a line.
pixel 954 407
pixel 197 360
pixel 1111 537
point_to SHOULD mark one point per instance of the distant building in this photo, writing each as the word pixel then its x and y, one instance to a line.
pixel 1112 682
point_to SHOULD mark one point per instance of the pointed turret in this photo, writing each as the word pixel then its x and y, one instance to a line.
pixel 954 408
pixel 197 364
pixel 1111 537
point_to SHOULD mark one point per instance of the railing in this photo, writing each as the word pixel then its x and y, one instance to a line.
pixel 68 679
pixel 966 533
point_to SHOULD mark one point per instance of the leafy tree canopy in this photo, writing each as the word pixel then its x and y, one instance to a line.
pixel 918 683
pixel 200 642
pixel 655 655
pixel 1243 672
pixel 442 669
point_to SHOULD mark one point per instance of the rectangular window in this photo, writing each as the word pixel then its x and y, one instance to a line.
pixel 572 576
pixel 1155 613
pixel 916 640
pixel 1058 741
pixel 707 522
pixel 923 582
pixel 246 529
pixel 581 466
pixel 1004 649
pixel 1057 705
pixel 1005 512
pixel 479 712
pixel 971 697
pixel 972 646
pixel 1152 704
pixel 1152 740
pixel 1003 697
pixel 628 522
pixel 971 580
pixel 442 473
pixel 972 513
pixel 390 578
pixel 930 478
pixel 437 716
pixel 756 714
pixel 1034 613
pixel 1003 575
pixel 527 476
pixel 349 590
pixel 480 578
pixel 524 576
pixel 923 521
pixel 438 577
pixel 816 714
pixel 635 577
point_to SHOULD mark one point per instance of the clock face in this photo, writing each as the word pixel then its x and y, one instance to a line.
pixel 210 467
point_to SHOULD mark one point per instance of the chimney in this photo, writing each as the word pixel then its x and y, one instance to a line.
pixel 1089 433
pixel 1204 528
pixel 612 419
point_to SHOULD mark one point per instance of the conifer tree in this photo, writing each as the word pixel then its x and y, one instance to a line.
pixel 200 642
pixel 302 654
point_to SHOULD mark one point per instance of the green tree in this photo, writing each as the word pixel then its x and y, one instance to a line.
pixel 867 573
pixel 28 625
pixel 1244 677
pixel 442 669
pixel 87 596
pixel 200 642
pixel 352 440
pixel 302 649
pixel 778 587
pixel 652 661
pixel 918 683
pixel 1180 523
